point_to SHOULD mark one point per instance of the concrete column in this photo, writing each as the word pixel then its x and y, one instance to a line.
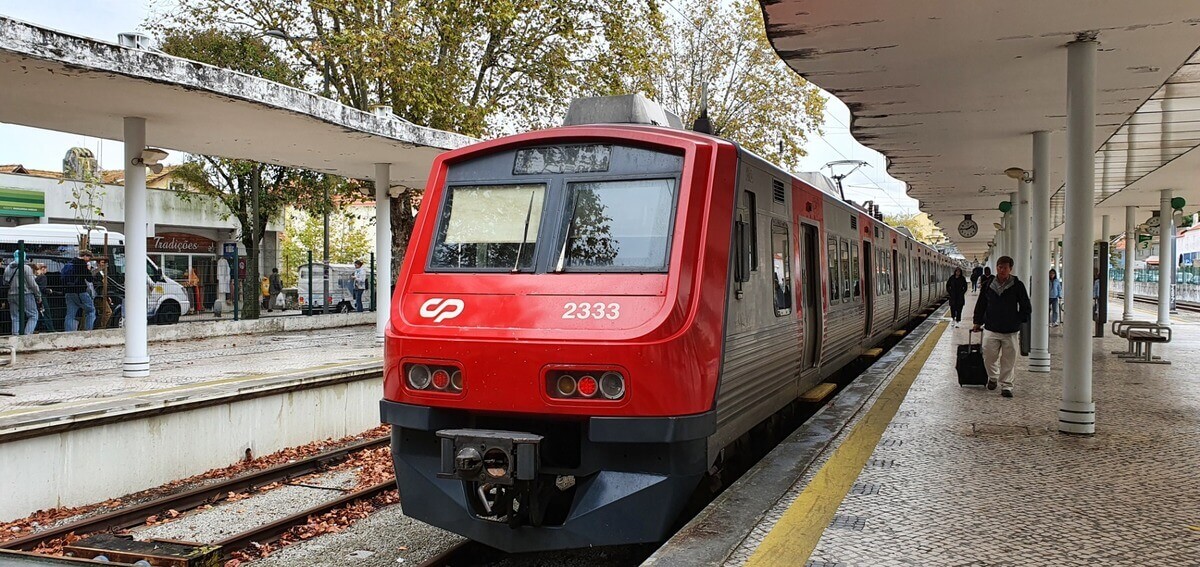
pixel 383 250
pixel 1130 250
pixel 1022 253
pixel 1077 411
pixel 1039 280
pixel 1166 256
pixel 137 354
pixel 1013 228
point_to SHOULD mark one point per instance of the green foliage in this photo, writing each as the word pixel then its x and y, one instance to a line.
pixel 754 99
pixel 236 50
pixel 919 224
pixel 349 240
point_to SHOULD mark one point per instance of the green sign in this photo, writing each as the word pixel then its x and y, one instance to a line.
pixel 18 203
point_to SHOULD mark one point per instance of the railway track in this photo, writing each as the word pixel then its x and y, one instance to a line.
pixel 214 493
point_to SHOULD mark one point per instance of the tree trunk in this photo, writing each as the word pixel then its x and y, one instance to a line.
pixel 251 287
pixel 402 226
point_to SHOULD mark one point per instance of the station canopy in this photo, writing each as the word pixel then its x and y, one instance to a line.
pixel 951 91
pixel 68 83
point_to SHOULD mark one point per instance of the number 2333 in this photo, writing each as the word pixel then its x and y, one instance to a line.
pixel 591 311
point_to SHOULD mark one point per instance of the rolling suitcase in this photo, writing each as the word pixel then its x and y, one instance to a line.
pixel 970 366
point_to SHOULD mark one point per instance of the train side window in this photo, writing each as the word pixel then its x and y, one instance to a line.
pixel 845 264
pixel 752 207
pixel 855 284
pixel 835 286
pixel 781 260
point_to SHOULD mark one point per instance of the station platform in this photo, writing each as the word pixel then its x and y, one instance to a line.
pixel 74 431
pixel 924 472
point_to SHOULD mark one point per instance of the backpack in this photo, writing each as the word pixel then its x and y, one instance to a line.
pixel 70 278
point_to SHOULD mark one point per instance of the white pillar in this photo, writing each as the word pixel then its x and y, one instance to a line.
pixel 1039 268
pixel 1130 250
pixel 1022 252
pixel 137 355
pixel 1013 228
pixel 383 249
pixel 1166 257
pixel 1077 412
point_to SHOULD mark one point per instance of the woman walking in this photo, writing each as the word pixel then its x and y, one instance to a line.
pixel 1055 296
pixel 956 286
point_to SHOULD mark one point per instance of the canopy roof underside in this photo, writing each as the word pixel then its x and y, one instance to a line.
pixel 951 91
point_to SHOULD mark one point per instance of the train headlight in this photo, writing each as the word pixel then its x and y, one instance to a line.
pixel 418 376
pixel 566 386
pixel 456 381
pixel 612 385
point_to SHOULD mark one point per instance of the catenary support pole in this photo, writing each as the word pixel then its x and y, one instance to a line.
pixel 1039 279
pixel 1077 411
pixel 383 249
pixel 1166 257
pixel 1023 252
pixel 1130 251
pixel 137 354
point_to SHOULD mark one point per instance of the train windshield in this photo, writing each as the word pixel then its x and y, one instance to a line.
pixel 492 227
pixel 618 226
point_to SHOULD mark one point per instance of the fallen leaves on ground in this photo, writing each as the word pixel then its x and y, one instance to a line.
pixel 45 518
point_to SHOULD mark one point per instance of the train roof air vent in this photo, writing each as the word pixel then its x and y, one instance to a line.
pixel 779 191
pixel 854 222
pixel 626 109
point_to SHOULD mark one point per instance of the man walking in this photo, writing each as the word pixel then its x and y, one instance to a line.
pixel 1002 306
pixel 976 273
pixel 360 284
pixel 29 302
pixel 75 279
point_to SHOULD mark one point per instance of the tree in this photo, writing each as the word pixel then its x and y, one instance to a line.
pixel 233 183
pixel 81 172
pixel 478 67
pixel 348 240
pixel 919 224
pixel 721 49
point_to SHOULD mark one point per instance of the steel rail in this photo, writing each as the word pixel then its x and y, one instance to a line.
pixel 136 515
pixel 273 531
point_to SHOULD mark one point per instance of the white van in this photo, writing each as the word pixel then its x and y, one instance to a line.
pixel 55 244
pixel 341 288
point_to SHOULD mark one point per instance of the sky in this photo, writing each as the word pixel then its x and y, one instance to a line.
pixel 104 19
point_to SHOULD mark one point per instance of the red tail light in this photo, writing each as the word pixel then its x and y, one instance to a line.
pixel 583 384
pixel 434 378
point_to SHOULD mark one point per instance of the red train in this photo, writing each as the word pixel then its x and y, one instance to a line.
pixel 588 315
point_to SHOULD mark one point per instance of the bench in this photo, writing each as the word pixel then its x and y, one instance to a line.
pixel 1121 328
pixel 1142 338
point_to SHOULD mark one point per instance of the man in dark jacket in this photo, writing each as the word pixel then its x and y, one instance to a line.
pixel 976 273
pixel 75 279
pixel 1002 307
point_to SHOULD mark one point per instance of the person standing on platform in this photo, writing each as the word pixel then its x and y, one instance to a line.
pixel 956 286
pixel 1002 307
pixel 976 273
pixel 360 284
pixel 75 278
pixel 986 278
pixel 1055 296
pixel 29 302
pixel 275 288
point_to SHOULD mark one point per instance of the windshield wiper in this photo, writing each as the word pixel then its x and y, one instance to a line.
pixel 524 235
pixel 562 254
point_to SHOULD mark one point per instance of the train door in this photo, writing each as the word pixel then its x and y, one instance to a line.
pixel 896 285
pixel 920 281
pixel 811 296
pixel 868 285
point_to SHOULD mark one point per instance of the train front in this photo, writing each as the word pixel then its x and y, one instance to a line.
pixel 555 337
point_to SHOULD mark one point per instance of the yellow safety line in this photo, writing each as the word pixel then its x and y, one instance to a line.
pixel 795 536
pixel 181 387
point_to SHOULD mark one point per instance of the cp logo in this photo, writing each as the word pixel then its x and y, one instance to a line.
pixel 439 309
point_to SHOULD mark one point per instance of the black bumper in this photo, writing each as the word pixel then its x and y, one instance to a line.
pixel 633 477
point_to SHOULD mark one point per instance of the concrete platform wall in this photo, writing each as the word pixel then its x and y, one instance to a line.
pixel 93 464
pixel 189 330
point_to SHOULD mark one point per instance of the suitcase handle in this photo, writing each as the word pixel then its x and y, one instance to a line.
pixel 972 331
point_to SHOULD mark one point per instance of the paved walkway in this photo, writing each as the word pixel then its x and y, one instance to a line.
pixel 961 476
pixel 42 380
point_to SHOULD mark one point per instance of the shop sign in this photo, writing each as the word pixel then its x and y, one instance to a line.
pixel 18 203
pixel 180 243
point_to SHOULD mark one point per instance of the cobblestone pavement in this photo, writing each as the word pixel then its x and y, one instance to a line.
pixel 963 476
pixel 45 379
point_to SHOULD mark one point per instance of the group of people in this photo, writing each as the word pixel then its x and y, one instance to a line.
pixel 83 287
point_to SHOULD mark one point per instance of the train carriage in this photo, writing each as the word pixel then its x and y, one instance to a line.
pixel 588 316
